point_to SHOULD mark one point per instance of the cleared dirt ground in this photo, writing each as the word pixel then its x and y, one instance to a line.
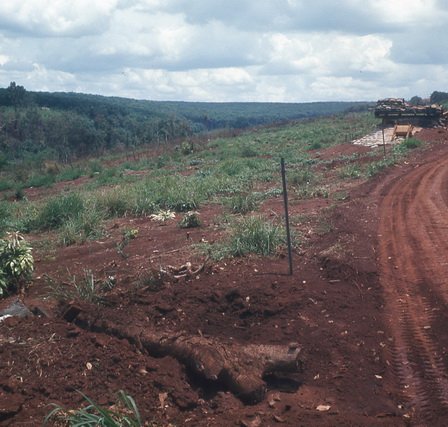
pixel 367 305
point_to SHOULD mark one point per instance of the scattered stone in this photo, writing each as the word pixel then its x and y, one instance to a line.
pixel 256 422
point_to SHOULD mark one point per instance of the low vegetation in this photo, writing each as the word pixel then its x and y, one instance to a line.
pixel 124 414
pixel 16 263
pixel 248 235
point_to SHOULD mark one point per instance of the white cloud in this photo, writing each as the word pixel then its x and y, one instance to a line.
pixel 211 50
pixel 55 17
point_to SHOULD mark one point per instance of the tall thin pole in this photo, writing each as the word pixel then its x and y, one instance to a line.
pixel 285 200
pixel 384 141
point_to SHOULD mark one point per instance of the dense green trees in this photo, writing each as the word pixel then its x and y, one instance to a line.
pixel 65 126
pixel 438 97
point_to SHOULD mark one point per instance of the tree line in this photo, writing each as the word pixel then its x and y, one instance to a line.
pixel 66 126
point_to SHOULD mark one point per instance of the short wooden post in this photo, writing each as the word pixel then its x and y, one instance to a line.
pixel 285 200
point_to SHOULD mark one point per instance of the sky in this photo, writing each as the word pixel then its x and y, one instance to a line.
pixel 227 50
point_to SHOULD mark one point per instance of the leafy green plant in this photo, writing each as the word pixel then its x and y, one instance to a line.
pixel 128 235
pixel 190 220
pixel 16 263
pixel 124 414
pixel 163 215
pixel 186 147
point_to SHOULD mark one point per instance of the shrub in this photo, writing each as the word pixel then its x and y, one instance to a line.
pixel 16 263
pixel 123 414
pixel 186 147
pixel 190 220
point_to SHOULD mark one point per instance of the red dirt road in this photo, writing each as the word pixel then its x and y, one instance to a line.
pixel 413 244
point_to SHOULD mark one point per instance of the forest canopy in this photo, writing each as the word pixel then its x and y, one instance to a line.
pixel 66 126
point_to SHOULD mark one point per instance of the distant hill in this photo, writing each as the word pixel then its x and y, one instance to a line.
pixel 69 125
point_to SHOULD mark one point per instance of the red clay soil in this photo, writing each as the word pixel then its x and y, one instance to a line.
pixel 367 305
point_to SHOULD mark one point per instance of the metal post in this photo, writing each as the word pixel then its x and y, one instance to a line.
pixel 285 199
pixel 384 141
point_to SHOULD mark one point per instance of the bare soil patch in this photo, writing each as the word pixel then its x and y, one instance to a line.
pixel 334 307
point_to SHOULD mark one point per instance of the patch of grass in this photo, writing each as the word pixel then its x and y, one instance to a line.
pixel 376 167
pixel 242 203
pixel 313 192
pixel 115 203
pixel 41 180
pixel 255 235
pixel 248 150
pixel 411 143
pixel 109 176
pixel 85 288
pixel 124 414
pixel 59 210
pixel 351 172
pixel 87 225
pixel 250 235
pixel 301 176
pixel 6 184
pixel 69 174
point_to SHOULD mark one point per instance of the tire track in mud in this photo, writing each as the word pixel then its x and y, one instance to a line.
pixel 413 248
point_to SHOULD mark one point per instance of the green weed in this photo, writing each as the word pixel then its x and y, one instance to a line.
pixel 242 203
pixel 124 414
pixel 85 288
pixel 190 220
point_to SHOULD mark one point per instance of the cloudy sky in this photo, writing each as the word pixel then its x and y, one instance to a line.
pixel 227 50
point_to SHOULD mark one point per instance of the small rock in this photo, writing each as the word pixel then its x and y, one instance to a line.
pixel 323 408
pixel 279 419
pixel 256 422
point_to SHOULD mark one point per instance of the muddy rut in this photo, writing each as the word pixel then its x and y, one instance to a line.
pixel 414 273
